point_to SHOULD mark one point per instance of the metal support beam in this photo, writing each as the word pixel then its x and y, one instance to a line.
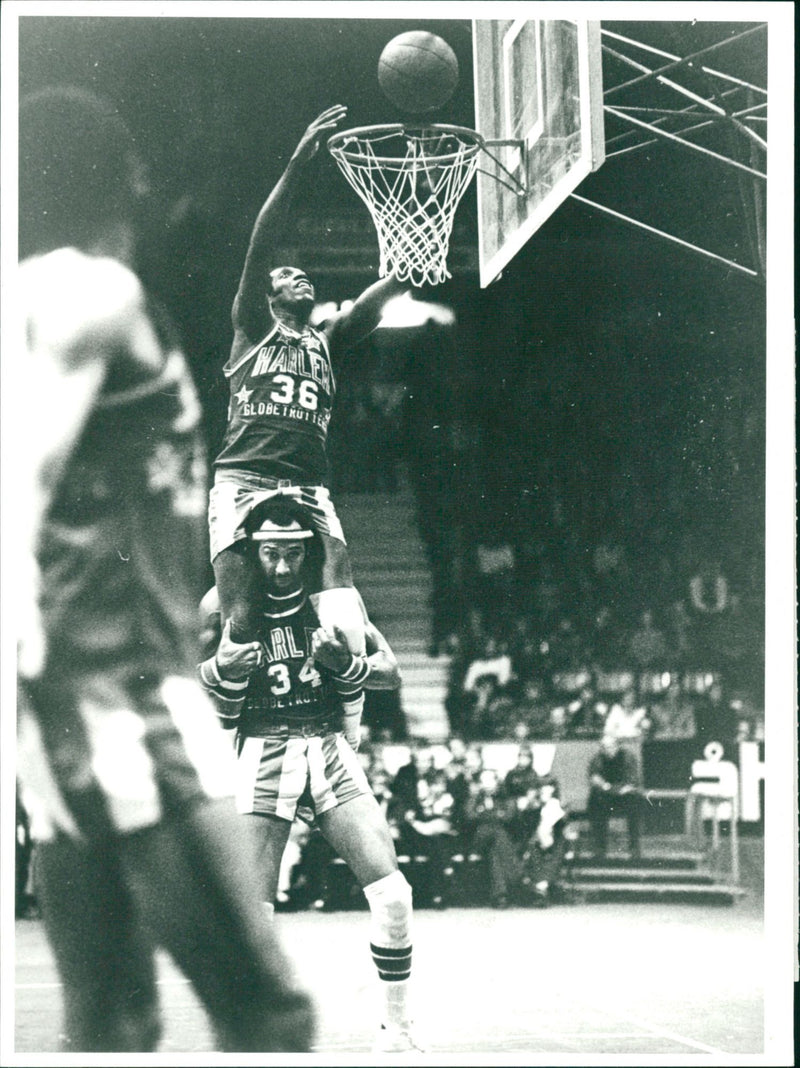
pixel 682 90
pixel 663 235
pixel 684 144
pixel 690 111
pixel 668 55
pixel 659 73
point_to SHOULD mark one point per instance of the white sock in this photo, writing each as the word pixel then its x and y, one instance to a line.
pixel 390 942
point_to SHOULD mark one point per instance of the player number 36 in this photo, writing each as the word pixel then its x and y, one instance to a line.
pixel 304 392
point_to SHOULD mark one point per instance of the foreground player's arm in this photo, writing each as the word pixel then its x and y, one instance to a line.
pixel 250 307
pixel 378 670
pixel 79 312
pixel 351 326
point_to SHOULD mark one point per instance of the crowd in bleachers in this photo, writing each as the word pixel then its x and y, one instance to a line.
pixel 463 829
pixel 585 648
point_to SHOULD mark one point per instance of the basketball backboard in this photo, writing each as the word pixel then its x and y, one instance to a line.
pixel 538 85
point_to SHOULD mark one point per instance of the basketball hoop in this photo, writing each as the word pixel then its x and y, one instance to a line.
pixel 411 179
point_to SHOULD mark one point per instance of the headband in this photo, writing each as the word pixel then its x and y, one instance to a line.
pixel 270 531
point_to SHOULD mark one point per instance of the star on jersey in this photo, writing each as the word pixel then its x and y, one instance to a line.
pixel 243 396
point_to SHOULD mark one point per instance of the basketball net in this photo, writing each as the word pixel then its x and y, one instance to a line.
pixel 411 181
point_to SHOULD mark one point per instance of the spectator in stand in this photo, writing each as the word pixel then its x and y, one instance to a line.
pixel 522 778
pixel 404 786
pixel 739 649
pixel 708 590
pixel 520 831
pixel 614 790
pixel 524 650
pixel 547 595
pixel 495 579
pixel 648 645
pixel 546 849
pixel 427 830
pixel 716 720
pixel 486 678
pixel 607 638
pixel 708 602
pixel 532 711
pixel 468 647
pixel 585 715
pixel 612 576
pixel 627 718
pixel 493 811
pixel 672 715
pixel 567 647
pixel 458 776
pixel 679 632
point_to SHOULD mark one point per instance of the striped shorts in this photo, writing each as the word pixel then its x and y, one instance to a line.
pixel 234 495
pixel 297 776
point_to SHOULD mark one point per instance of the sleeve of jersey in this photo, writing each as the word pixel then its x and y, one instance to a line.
pixel 355 675
pixel 228 695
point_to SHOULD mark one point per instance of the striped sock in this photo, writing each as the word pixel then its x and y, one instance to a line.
pixel 390 942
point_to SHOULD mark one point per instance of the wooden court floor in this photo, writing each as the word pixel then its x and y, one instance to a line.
pixel 561 985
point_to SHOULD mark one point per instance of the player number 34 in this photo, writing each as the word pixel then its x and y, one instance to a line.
pixel 304 391
pixel 281 680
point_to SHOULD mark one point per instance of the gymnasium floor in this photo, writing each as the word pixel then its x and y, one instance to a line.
pixel 563 985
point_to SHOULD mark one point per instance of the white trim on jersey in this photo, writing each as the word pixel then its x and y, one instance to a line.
pixel 291 335
pixel 229 371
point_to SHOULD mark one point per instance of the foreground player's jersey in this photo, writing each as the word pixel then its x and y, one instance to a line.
pixel 113 734
pixel 123 547
pixel 288 687
pixel 281 392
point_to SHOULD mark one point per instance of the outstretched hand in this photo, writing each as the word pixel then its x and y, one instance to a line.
pixel 236 660
pixel 331 650
pixel 324 123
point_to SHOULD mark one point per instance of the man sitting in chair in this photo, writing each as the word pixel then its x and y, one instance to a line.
pixel 614 791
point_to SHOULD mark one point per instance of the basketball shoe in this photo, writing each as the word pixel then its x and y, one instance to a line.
pixel 394 1039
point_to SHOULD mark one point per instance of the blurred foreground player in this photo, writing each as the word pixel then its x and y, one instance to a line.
pixel 119 749
pixel 281 692
pixel 282 387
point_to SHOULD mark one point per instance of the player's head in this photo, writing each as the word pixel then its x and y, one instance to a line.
pixel 289 290
pixel 280 534
pixel 524 756
pixel 80 176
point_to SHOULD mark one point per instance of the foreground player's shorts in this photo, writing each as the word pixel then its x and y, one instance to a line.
pixel 234 495
pixel 297 776
pixel 118 762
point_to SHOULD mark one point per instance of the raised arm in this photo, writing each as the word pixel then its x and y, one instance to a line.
pixel 250 306
pixel 357 322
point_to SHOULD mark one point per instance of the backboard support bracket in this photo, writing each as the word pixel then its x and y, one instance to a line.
pixel 519 188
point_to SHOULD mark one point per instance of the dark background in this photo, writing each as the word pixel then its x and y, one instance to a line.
pixel 606 379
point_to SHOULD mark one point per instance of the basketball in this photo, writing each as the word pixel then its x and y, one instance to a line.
pixel 418 71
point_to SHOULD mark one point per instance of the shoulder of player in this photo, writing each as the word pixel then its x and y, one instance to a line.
pixel 75 301
pixel 247 339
